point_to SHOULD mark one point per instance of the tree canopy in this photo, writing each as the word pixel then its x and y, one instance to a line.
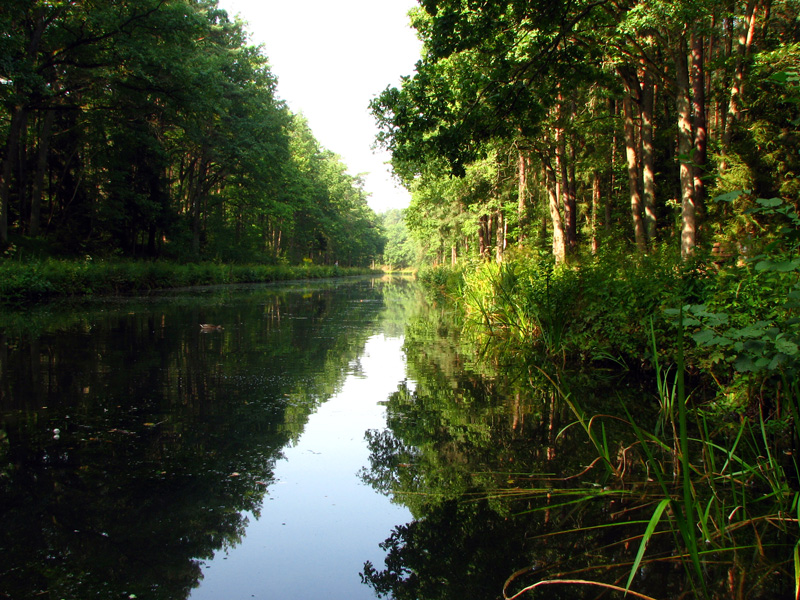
pixel 153 128
pixel 603 122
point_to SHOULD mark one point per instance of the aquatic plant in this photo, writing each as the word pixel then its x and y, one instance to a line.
pixel 719 497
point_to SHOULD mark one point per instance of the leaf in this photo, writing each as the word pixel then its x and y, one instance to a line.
pixel 730 196
pixel 787 347
pixel 796 554
pixel 777 361
pixel 751 331
pixel 780 267
pixel 779 77
pixel 769 202
pixel 744 364
pixel 703 337
pixel 648 533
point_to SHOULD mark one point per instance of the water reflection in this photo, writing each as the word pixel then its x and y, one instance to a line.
pixel 134 444
pixel 504 492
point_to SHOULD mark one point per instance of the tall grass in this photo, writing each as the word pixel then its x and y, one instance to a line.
pixel 723 497
pixel 521 305
pixel 718 477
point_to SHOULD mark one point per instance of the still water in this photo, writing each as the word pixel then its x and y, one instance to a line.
pixel 141 456
pixel 335 440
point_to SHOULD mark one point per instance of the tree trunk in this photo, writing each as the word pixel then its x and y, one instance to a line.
pixel 482 233
pixel 571 203
pixel 500 236
pixel 745 41
pixel 559 239
pixel 633 173
pixel 18 117
pixel 612 166
pixel 685 144
pixel 648 156
pixel 595 208
pixel 699 109
pixel 562 190
pixel 522 195
pixel 41 170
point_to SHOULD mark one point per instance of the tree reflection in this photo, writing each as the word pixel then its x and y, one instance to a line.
pixel 132 444
pixel 482 455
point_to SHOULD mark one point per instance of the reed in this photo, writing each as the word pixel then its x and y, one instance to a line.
pixel 719 494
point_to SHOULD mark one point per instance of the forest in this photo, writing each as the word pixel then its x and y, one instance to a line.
pixel 584 125
pixel 601 190
pixel 604 187
pixel 154 129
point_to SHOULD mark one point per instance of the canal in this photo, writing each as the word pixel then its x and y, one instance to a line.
pixel 334 439
pixel 142 456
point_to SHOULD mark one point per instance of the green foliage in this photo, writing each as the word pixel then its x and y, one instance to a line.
pixel 27 282
pixel 201 161
pixel 597 310
pixel 401 251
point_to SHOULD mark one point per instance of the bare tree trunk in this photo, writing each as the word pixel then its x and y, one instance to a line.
pixel 197 205
pixel 563 188
pixel 482 234
pixel 612 166
pixel 500 237
pixel 562 170
pixel 571 203
pixel 699 109
pixel 522 195
pixel 648 156
pixel 18 117
pixel 595 208
pixel 633 174
pixel 559 239
pixel 685 144
pixel 745 41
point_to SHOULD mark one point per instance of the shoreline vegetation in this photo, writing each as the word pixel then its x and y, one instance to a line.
pixel 717 349
pixel 27 282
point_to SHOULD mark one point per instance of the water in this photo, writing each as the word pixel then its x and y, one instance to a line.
pixel 332 439
pixel 141 456
pixel 320 522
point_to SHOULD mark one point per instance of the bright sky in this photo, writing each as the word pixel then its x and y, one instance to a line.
pixel 331 57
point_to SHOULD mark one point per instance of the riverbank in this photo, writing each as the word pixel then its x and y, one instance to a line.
pixel 714 354
pixel 30 282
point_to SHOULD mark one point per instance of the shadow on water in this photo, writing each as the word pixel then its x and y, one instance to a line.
pixel 132 441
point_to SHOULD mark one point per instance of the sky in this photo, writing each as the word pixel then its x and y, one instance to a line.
pixel 331 57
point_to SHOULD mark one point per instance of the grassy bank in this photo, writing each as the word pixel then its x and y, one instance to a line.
pixel 35 281
pixel 717 473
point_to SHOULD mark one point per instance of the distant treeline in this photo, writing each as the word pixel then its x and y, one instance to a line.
pixel 152 128
pixel 28 282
